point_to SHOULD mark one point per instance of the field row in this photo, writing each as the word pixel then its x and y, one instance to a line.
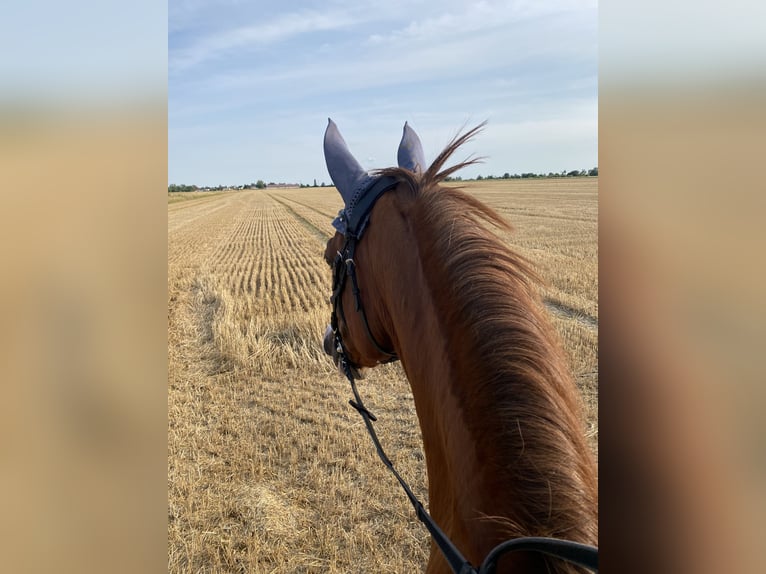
pixel 269 469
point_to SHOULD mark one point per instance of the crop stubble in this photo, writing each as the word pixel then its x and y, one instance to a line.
pixel 268 469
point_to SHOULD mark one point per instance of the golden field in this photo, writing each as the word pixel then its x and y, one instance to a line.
pixel 269 469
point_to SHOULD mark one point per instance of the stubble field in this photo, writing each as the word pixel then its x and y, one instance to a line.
pixel 269 469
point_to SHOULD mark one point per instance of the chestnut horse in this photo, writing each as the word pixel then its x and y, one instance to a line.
pixel 499 413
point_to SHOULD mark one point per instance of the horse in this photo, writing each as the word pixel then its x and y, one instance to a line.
pixel 434 287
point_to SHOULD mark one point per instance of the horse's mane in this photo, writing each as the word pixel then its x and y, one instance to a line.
pixel 499 337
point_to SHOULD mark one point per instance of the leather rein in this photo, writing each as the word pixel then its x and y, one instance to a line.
pixel 344 268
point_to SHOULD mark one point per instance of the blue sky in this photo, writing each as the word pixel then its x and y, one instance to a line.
pixel 251 84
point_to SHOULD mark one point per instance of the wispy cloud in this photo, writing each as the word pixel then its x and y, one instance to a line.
pixel 528 67
pixel 246 38
pixel 418 53
pixel 471 17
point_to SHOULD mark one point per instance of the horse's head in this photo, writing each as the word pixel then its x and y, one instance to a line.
pixel 359 333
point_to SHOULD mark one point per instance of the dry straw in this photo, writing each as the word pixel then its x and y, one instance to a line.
pixel 268 469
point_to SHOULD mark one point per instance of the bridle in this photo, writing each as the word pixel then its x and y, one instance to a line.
pixel 355 221
pixel 344 267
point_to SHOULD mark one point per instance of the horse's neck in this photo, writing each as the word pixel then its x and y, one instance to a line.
pixel 457 497
pixel 471 477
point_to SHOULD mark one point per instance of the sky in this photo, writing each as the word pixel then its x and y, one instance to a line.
pixel 251 84
pixel 83 53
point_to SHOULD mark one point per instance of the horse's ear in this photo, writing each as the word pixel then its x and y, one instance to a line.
pixel 410 155
pixel 346 173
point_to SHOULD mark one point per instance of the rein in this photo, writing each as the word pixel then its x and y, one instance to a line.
pixel 344 267
pixel 574 552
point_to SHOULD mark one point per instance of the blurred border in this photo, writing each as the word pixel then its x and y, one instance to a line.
pixel 681 238
pixel 83 235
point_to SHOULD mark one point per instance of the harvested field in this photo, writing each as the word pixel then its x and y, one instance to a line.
pixel 269 469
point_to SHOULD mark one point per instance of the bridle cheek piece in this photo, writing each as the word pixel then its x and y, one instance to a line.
pixel 344 268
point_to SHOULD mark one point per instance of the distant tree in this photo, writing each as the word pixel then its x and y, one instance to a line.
pixel 315 183
pixel 479 177
pixel 573 173
pixel 506 175
pixel 593 171
pixel 172 188
pixel 259 184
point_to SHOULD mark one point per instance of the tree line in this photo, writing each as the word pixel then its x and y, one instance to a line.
pixel 174 187
pixel 593 172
